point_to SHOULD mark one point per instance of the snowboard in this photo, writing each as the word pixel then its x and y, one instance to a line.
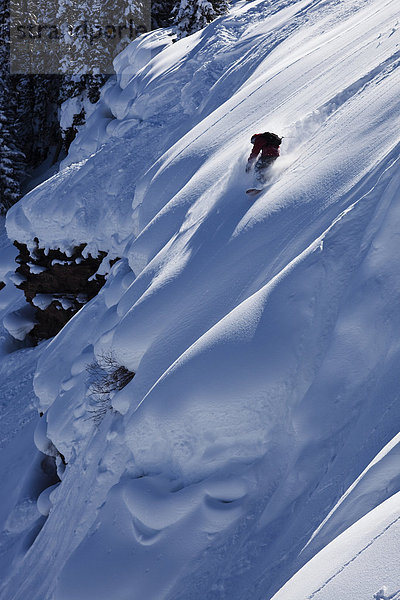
pixel 254 191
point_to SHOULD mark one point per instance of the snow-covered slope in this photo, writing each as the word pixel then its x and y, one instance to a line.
pixel 19 459
pixel 356 562
pixel 264 336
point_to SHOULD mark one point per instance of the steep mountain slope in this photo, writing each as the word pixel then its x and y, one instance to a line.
pixel 264 336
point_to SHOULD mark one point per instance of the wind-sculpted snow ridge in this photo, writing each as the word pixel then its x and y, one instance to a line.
pixel 261 422
pixel 355 563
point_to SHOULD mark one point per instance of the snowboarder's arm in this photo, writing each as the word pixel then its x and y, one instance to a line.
pixel 258 144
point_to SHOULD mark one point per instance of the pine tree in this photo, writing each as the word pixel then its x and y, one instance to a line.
pixel 192 15
pixel 12 159
pixel 12 163
pixel 161 13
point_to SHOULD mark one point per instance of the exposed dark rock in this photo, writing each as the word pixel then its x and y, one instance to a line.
pixel 2 285
pixel 65 284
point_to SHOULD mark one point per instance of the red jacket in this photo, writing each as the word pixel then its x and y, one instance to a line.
pixel 266 149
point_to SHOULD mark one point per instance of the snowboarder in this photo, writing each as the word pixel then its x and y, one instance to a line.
pixel 268 144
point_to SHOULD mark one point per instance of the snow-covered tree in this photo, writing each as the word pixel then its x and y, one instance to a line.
pixel 192 15
pixel 161 11
pixel 12 159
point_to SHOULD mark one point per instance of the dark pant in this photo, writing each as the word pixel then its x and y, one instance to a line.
pixel 262 166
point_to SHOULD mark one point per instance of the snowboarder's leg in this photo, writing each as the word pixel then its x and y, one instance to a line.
pixel 261 169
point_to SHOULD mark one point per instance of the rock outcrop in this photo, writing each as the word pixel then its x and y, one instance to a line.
pixel 57 285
